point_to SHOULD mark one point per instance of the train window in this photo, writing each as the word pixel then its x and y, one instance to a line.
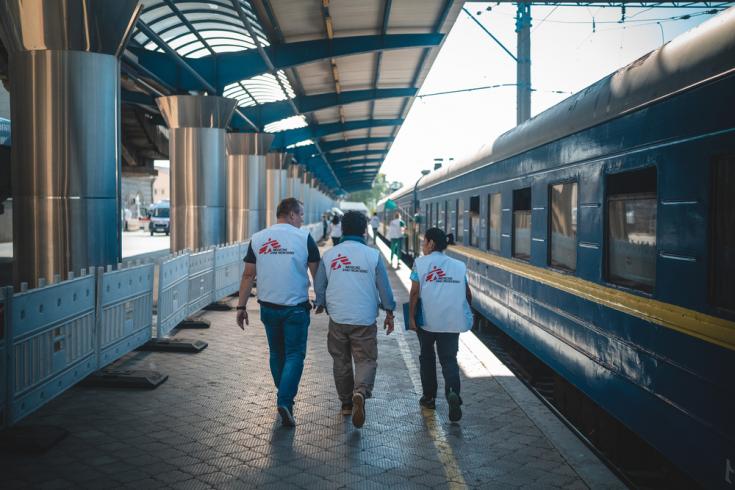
pixel 563 224
pixel 631 229
pixel 475 221
pixel 493 222
pixel 459 234
pixel 446 217
pixel 427 217
pixel 522 223
pixel 722 262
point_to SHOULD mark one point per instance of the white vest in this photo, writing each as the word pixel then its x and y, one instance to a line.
pixel 394 229
pixel 281 255
pixel 352 296
pixel 442 282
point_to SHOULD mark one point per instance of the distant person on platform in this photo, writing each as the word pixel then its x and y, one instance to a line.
pixel 396 229
pixel 374 223
pixel 325 225
pixel 281 254
pixel 441 284
pixel 352 283
pixel 335 230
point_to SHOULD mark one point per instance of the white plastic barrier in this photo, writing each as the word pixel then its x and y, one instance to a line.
pixel 226 270
pixel 201 280
pixel 125 311
pixel 173 293
pixel 51 342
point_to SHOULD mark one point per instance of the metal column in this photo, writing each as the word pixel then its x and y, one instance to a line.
pixel 246 183
pixel 523 66
pixel 65 100
pixel 198 171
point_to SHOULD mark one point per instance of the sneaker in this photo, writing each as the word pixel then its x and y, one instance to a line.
pixel 427 402
pixel 358 410
pixel 286 416
pixel 347 409
pixel 455 412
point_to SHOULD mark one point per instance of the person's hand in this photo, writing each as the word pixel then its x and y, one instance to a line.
pixel 242 316
pixel 388 324
pixel 412 325
pixel 319 309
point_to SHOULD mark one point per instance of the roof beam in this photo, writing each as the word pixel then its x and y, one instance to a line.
pixel 379 57
pixel 275 111
pixel 293 136
pixel 357 163
pixel 227 68
pixel 347 156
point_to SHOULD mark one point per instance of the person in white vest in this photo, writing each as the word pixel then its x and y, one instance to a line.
pixel 352 283
pixel 441 284
pixel 281 255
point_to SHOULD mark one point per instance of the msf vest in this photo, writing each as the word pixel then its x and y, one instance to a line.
pixel 442 290
pixel 281 255
pixel 352 296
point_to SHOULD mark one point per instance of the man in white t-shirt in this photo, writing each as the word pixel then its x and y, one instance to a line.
pixel 396 229
pixel 374 223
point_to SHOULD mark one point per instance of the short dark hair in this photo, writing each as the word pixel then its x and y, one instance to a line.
pixel 335 219
pixel 354 223
pixel 288 206
pixel 437 236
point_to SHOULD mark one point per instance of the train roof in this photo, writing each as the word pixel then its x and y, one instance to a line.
pixel 697 56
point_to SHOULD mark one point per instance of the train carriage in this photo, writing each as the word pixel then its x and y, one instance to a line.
pixel 600 235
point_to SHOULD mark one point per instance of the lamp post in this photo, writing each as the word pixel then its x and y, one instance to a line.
pixel 417 211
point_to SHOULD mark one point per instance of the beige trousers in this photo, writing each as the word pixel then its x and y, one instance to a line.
pixel 358 343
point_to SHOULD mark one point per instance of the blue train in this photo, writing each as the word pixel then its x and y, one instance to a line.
pixel 600 235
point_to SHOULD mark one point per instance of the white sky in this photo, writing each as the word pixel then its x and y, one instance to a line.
pixel 565 55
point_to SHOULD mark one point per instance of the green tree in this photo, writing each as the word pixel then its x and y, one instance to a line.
pixel 379 190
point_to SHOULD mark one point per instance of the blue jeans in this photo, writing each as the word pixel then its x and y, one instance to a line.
pixel 447 346
pixel 287 330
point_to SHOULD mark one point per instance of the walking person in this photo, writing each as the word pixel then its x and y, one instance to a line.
pixel 335 230
pixel 396 229
pixel 441 284
pixel 352 283
pixel 374 223
pixel 279 256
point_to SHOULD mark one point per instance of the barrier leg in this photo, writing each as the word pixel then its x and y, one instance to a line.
pixel 173 345
pixel 124 378
pixel 31 439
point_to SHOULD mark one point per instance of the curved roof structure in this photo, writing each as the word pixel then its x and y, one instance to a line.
pixel 333 80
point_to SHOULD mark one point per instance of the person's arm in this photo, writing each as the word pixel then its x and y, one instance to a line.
pixel 320 287
pixel 314 258
pixel 468 292
pixel 385 292
pixel 413 302
pixel 246 285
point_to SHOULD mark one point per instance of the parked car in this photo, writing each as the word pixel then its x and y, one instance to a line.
pixel 160 218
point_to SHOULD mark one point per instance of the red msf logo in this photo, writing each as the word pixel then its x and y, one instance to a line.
pixel 434 274
pixel 269 247
pixel 339 261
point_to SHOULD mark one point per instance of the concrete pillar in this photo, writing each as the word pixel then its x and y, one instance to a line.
pixel 65 103
pixel 246 183
pixel 198 172
pixel 293 180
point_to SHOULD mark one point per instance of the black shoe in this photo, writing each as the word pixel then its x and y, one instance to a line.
pixel 286 416
pixel 455 411
pixel 347 409
pixel 358 410
pixel 429 403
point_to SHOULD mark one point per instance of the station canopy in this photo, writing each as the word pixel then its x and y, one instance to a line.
pixel 333 80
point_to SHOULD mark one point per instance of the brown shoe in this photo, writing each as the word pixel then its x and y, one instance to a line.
pixel 347 409
pixel 358 410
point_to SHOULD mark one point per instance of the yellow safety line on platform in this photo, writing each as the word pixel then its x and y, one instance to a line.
pixel 706 327
pixel 453 473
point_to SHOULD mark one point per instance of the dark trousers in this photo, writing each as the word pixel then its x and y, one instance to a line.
pixel 447 346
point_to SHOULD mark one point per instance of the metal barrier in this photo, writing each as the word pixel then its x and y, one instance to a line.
pixel 4 293
pixel 201 280
pixel 125 314
pixel 226 270
pixel 51 343
pixel 173 294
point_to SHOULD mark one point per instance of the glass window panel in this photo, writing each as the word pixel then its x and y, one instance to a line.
pixel 459 235
pixel 494 212
pixel 564 225
pixel 475 221
pixel 446 218
pixel 522 223
pixel 723 234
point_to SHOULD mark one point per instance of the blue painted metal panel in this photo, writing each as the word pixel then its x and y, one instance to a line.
pixel 173 294
pixel 52 343
pixel 5 295
pixel 201 280
pixel 5 132
pixel 125 312
pixel 227 68
pixel 226 271
pixel 293 136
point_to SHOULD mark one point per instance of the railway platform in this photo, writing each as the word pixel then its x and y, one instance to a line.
pixel 213 424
